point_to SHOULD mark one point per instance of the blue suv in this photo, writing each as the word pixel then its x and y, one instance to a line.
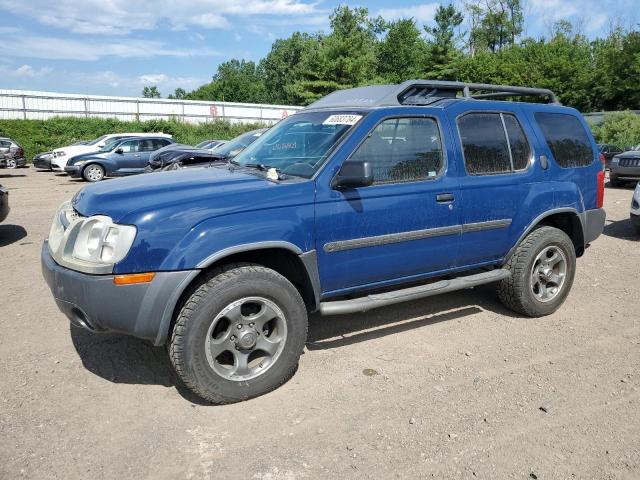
pixel 368 197
pixel 119 157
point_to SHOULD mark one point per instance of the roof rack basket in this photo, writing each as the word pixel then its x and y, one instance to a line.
pixel 420 92
pixel 425 92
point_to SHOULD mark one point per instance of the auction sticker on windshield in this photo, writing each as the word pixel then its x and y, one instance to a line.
pixel 342 120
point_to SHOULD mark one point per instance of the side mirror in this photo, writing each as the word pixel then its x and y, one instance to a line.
pixel 353 175
pixel 119 150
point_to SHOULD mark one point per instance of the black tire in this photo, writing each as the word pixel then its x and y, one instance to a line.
pixel 219 289
pixel 516 292
pixel 89 170
pixel 614 182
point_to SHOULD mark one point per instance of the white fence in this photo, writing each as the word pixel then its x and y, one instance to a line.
pixel 24 104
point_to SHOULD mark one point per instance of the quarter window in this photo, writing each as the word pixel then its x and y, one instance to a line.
pixel 403 150
pixel 493 143
pixel 566 138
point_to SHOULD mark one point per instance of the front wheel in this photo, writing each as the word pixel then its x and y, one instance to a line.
pixel 542 270
pixel 614 182
pixel 239 335
pixel 93 173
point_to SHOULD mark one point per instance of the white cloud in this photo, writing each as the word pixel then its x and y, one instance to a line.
pixel 53 48
pixel 29 71
pixel 112 17
pixel 423 13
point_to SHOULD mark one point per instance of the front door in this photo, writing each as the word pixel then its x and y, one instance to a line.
pixel 403 227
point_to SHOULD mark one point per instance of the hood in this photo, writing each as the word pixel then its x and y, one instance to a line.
pixel 629 154
pixel 73 150
pixel 183 192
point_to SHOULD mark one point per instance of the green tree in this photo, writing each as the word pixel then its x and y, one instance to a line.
pixel 495 24
pixel 150 92
pixel 401 53
pixel 442 48
pixel 235 81
pixel 345 58
pixel 284 66
pixel 178 94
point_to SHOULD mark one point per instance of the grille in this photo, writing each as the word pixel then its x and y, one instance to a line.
pixel 629 162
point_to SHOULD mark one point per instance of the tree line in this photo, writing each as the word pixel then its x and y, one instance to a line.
pixel 489 47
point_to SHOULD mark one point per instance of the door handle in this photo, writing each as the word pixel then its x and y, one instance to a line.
pixel 444 197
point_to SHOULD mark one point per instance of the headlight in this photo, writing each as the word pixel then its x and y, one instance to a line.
pixel 88 244
pixel 615 159
pixel 61 154
pixel 81 162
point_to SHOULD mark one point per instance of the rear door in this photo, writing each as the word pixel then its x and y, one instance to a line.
pixel 403 227
pixel 496 178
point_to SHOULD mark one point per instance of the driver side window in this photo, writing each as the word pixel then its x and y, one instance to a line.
pixel 402 150
pixel 130 146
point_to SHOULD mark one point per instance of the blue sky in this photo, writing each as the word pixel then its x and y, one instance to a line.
pixel 115 47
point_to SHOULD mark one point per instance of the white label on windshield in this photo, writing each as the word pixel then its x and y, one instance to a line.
pixel 342 120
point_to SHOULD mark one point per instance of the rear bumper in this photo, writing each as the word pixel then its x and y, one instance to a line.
pixel 4 203
pixel 94 302
pixel 42 164
pixel 592 224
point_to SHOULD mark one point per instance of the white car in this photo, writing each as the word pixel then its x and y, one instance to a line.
pixel 635 209
pixel 61 156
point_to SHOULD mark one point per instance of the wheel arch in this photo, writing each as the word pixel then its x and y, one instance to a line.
pixel 299 267
pixel 569 220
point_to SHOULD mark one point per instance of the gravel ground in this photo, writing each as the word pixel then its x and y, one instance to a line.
pixel 449 387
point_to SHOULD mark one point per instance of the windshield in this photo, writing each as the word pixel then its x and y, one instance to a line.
pixel 300 144
pixel 204 144
pixel 238 144
pixel 110 144
pixel 97 140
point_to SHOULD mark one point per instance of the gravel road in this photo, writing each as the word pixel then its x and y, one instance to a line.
pixel 449 387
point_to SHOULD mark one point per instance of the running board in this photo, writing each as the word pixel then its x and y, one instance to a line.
pixel 377 300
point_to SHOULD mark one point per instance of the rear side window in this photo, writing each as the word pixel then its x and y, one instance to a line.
pixel 493 143
pixel 403 150
pixel 566 138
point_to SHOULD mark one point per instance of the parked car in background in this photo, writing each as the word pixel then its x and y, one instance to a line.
pixel 62 155
pixel 608 151
pixel 367 198
pixel 4 203
pixel 120 156
pixel 210 144
pixel 223 152
pixel 42 160
pixel 635 209
pixel 11 154
pixel 624 167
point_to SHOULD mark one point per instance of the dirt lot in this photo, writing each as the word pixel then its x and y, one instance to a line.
pixel 449 387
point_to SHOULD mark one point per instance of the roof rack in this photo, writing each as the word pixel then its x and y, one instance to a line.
pixel 425 92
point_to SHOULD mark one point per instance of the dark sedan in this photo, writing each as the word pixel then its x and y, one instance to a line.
pixel 43 160
pixel 4 203
pixel 222 153
pixel 624 167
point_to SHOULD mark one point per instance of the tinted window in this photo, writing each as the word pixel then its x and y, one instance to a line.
pixel 4 143
pixel 403 150
pixel 520 149
pixel 567 139
pixel 484 143
pixel 159 143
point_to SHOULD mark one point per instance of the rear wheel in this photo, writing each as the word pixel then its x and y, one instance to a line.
pixel 239 335
pixel 11 163
pixel 542 271
pixel 93 173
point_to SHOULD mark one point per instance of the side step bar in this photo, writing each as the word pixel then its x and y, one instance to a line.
pixel 377 300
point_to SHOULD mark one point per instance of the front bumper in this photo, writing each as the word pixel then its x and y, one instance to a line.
pixel 624 173
pixel 73 171
pixel 42 163
pixel 94 302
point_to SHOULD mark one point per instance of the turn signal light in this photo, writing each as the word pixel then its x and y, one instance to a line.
pixel 133 278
